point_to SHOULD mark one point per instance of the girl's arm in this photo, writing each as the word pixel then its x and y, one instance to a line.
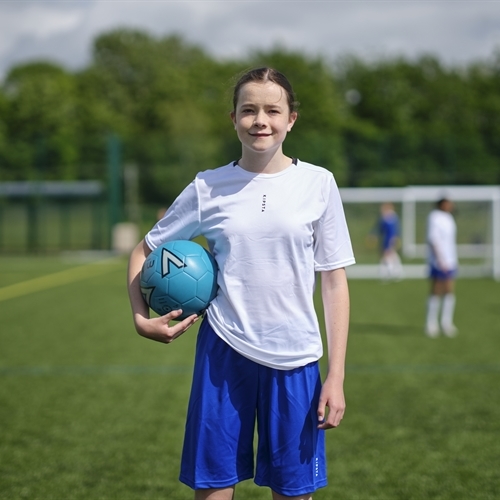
pixel 335 295
pixel 439 258
pixel 152 328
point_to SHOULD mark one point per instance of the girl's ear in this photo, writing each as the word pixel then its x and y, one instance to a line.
pixel 233 118
pixel 291 120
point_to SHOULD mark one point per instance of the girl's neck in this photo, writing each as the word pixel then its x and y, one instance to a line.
pixel 263 164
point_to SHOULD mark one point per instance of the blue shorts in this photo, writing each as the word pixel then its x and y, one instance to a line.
pixel 440 275
pixel 230 393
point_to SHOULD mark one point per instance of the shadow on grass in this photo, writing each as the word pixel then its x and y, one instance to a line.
pixel 384 329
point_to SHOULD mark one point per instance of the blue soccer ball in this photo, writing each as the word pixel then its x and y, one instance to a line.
pixel 179 274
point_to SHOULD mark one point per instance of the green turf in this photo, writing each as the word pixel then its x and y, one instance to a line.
pixel 89 410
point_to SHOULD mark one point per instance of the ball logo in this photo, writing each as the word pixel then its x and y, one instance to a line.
pixel 146 294
pixel 168 257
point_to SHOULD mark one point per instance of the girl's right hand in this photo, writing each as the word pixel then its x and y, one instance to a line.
pixel 159 328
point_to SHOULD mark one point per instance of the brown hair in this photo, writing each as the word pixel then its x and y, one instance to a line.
pixel 263 75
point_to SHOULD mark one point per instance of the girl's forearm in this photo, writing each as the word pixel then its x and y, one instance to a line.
pixel 335 294
pixel 137 258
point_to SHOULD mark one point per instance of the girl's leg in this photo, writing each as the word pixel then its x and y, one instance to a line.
pixel 277 496
pixel 214 494
pixel 448 286
pixel 438 287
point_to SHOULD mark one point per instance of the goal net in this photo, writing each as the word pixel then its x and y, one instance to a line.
pixel 477 214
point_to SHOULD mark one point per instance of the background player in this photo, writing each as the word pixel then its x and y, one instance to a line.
pixel 443 264
pixel 385 235
pixel 388 230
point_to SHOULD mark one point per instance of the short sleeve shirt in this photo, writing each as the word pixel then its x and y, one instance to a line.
pixel 269 234
pixel 441 236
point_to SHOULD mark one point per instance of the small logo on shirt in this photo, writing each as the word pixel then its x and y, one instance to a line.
pixel 263 208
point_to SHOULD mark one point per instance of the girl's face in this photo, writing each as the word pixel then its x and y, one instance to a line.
pixel 447 206
pixel 262 117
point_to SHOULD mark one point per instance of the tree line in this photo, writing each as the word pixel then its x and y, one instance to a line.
pixel 388 122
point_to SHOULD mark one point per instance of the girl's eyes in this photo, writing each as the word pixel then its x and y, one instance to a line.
pixel 249 111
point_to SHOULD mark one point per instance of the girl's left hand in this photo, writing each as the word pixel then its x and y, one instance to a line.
pixel 332 396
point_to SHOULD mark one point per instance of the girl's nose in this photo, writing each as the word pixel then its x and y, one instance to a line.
pixel 259 120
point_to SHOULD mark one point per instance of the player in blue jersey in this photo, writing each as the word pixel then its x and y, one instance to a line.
pixel 389 235
pixel 272 223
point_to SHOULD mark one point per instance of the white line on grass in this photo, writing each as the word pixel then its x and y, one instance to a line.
pixel 9 371
pixel 57 279
pixel 91 370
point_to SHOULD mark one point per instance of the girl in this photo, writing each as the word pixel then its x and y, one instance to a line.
pixel 271 222
pixel 443 265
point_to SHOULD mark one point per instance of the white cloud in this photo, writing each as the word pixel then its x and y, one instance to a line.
pixel 455 31
pixel 37 22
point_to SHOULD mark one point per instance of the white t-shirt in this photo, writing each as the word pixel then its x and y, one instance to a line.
pixel 269 233
pixel 441 237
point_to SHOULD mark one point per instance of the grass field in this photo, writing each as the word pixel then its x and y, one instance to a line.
pixel 89 410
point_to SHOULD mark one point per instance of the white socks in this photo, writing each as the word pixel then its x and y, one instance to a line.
pixel 391 267
pixel 448 309
pixel 432 324
pixel 447 315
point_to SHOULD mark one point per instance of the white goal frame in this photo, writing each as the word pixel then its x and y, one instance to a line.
pixel 408 197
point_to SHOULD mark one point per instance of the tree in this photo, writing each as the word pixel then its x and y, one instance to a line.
pixel 372 123
pixel 40 122
pixel 4 172
pixel 484 80
pixel 158 95
pixel 425 121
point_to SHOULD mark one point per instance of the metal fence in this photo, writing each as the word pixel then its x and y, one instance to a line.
pixel 50 216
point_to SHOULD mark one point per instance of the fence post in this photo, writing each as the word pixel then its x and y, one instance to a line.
pixel 114 183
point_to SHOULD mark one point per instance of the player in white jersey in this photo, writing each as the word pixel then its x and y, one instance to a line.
pixel 443 265
pixel 272 223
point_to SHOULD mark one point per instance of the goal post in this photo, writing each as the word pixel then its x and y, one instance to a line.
pixel 478 222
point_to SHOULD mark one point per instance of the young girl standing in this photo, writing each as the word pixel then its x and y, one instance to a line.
pixel 271 223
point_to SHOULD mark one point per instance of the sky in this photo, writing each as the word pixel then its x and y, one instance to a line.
pixel 456 31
